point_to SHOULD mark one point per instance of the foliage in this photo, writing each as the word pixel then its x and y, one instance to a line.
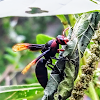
pixel 29 92
pixel 83 30
pixel 27 30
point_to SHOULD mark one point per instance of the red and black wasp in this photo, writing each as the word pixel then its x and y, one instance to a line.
pixel 48 50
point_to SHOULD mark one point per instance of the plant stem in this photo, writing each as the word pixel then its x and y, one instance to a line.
pixel 92 92
pixel 84 60
pixel 63 20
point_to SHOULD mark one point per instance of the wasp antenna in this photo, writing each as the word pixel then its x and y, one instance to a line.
pixel 29 66
pixel 65 30
pixel 20 46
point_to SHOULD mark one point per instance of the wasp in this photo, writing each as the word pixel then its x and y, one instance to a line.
pixel 48 50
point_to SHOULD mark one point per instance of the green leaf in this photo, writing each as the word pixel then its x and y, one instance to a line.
pixel 42 39
pixel 9 58
pixel 11 52
pixel 98 91
pixel 20 92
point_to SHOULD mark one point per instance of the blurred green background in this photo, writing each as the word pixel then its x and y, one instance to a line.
pixel 21 29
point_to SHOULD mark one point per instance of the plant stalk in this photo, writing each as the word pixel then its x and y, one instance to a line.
pixel 64 21
pixel 92 92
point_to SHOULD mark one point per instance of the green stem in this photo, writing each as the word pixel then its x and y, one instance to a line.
pixel 84 60
pixel 92 92
pixel 63 20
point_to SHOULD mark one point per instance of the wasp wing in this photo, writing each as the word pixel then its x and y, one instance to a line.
pixel 34 62
pixel 24 46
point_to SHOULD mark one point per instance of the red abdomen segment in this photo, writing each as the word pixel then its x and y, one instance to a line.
pixel 41 72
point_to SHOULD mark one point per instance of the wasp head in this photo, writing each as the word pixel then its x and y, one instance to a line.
pixel 61 39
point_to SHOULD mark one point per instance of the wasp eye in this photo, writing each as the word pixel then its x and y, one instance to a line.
pixel 62 41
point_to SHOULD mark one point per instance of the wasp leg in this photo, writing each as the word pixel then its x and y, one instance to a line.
pixel 48 64
pixel 54 58
pixel 58 50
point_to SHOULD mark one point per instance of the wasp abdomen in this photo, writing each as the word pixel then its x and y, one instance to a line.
pixel 41 72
